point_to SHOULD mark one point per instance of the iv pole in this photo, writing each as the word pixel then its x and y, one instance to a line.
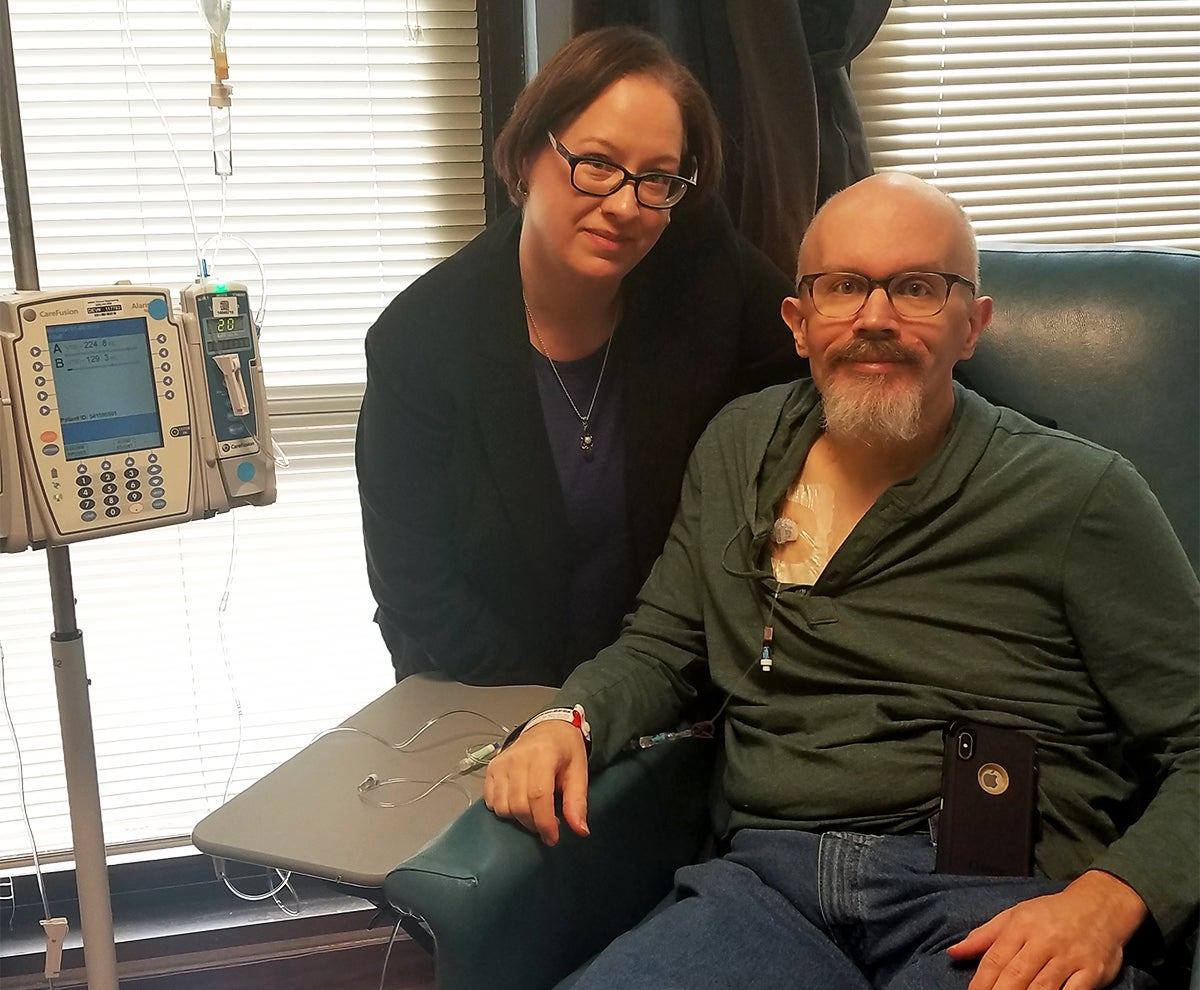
pixel 66 642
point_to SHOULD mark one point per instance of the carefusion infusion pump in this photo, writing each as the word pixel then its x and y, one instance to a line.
pixel 119 414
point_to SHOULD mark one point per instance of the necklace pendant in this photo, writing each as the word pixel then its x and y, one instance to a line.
pixel 586 443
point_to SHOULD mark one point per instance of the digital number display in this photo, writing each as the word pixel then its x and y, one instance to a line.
pixel 104 377
pixel 226 333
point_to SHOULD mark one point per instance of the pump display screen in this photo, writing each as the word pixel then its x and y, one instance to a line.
pixel 227 333
pixel 104 380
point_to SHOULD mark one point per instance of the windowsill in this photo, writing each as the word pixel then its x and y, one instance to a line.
pixel 177 906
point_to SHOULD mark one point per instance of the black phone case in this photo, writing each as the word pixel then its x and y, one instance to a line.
pixel 988 818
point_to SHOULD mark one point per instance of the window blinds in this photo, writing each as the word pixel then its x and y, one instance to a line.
pixel 357 166
pixel 1068 121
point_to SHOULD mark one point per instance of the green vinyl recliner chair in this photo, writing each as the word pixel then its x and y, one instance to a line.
pixel 1103 340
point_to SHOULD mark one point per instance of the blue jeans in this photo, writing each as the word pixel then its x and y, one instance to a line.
pixel 792 910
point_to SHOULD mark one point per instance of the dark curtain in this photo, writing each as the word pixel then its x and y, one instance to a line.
pixel 778 73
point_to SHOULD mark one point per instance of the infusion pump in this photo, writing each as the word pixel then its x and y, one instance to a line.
pixel 118 414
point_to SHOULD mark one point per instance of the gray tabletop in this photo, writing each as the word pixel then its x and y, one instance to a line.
pixel 308 816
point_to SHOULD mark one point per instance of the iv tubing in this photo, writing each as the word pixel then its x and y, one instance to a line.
pixel 187 193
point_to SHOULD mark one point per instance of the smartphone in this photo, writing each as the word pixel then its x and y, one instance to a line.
pixel 988 820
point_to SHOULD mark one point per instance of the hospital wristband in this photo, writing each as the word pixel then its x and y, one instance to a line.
pixel 573 715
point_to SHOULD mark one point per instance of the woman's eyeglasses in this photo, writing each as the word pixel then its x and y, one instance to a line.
pixel 600 177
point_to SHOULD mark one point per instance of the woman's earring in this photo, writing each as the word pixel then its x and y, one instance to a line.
pixel 522 188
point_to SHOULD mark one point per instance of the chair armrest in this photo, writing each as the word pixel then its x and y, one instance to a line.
pixel 507 911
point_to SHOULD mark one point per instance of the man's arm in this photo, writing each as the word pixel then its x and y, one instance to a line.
pixel 1133 604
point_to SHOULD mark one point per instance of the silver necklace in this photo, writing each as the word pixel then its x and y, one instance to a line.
pixel 586 440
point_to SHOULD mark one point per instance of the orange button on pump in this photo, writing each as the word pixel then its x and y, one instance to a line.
pixel 49 436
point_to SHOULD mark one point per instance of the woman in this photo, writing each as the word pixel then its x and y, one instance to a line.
pixel 531 402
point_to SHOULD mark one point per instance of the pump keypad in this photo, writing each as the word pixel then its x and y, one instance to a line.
pixel 127 497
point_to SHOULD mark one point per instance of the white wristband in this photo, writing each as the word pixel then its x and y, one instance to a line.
pixel 573 715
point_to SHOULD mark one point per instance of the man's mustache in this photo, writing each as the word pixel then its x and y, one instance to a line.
pixel 870 351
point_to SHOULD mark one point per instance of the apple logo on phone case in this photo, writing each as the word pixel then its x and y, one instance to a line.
pixel 993 778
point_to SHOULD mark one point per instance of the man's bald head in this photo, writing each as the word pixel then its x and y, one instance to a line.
pixel 896 207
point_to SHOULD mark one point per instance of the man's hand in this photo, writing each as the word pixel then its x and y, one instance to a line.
pixel 1072 940
pixel 522 781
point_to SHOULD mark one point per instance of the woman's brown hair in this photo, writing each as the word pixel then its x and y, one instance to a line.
pixel 578 73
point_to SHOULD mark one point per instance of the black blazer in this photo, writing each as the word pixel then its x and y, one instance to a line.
pixel 463 516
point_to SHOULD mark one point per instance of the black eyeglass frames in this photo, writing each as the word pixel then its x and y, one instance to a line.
pixel 600 177
pixel 913 294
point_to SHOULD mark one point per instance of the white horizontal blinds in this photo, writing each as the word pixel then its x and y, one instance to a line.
pixel 1069 121
pixel 357 165
pixel 384 138
pixel 357 155
pixel 300 652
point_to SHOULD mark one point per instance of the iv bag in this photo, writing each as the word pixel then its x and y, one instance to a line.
pixel 216 13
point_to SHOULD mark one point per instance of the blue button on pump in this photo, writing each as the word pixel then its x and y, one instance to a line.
pixel 157 309
pixel 245 471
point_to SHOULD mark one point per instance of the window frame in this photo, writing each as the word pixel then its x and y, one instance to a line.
pixel 141 877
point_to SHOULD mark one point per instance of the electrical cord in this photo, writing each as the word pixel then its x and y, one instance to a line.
pixel 284 877
pixel 285 883
pixel 8 894
pixel 225 658
pixel 291 910
pixel 12 731
pixel 387 955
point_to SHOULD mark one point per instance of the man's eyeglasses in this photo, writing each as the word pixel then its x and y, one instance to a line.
pixel 600 177
pixel 840 295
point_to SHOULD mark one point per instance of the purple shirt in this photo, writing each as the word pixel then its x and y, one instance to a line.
pixel 593 491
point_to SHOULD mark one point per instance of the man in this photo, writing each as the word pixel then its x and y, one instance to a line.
pixel 857 561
